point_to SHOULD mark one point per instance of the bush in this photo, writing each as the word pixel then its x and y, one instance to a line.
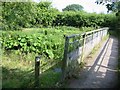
pixel 82 19
pixel 17 15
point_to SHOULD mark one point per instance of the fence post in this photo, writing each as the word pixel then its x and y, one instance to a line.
pixel 37 67
pixel 84 40
pixel 93 39
pixel 64 61
pixel 101 35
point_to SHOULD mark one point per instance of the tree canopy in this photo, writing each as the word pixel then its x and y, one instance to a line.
pixel 114 5
pixel 73 7
pixel 17 15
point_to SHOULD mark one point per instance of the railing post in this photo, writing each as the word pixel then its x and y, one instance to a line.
pixel 84 40
pixel 64 61
pixel 37 67
pixel 93 39
pixel 101 35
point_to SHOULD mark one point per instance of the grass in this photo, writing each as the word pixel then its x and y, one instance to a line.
pixel 18 69
pixel 95 49
pixel 59 30
pixel 21 74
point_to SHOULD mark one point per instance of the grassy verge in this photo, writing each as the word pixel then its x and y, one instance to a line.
pixel 20 74
pixel 96 48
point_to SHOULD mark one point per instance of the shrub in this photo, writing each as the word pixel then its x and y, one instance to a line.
pixel 82 19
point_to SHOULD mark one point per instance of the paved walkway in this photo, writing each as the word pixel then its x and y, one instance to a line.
pixel 100 72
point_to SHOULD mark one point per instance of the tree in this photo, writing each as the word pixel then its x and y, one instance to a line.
pixel 114 5
pixel 73 7
pixel 46 13
pixel 16 15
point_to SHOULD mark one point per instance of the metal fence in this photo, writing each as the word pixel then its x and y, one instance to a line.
pixel 77 47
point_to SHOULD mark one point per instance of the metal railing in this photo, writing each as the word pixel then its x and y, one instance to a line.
pixel 78 46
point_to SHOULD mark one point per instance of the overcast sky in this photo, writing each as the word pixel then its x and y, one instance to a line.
pixel 89 5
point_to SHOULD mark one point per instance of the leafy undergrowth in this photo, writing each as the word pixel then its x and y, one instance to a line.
pixel 47 41
pixel 19 54
pixel 20 74
pixel 16 74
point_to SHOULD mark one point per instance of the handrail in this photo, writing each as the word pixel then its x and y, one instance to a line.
pixel 80 43
pixel 74 35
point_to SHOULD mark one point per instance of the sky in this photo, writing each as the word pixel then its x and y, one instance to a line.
pixel 89 5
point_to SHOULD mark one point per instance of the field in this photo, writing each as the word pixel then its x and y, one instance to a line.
pixel 19 51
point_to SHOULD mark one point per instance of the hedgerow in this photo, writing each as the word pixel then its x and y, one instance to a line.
pixel 18 15
pixel 82 19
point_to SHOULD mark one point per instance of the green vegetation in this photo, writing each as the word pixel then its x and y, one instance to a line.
pixel 19 51
pixel 47 41
pixel 18 15
pixel 73 7
pixel 83 19
pixel 95 49
pixel 31 29
pixel 114 5
pixel 21 74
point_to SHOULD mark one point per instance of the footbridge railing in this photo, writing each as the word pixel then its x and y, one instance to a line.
pixel 77 47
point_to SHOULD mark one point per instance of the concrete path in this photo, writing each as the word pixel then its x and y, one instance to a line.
pixel 100 72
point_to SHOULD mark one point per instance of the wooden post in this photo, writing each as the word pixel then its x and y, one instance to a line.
pixel 37 67
pixel 64 62
pixel 93 39
pixel 84 40
pixel 74 45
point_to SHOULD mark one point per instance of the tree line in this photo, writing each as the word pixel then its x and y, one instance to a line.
pixel 18 15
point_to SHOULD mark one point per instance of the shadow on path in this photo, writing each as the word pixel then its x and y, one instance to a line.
pixel 100 72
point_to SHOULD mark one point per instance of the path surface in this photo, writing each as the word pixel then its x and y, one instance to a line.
pixel 100 72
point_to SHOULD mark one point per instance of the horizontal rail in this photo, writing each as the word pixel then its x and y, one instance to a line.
pixel 77 46
pixel 73 35
pixel 76 41
pixel 101 29
pixel 90 32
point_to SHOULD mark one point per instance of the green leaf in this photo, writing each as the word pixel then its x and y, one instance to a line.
pixel 50 54
pixel 35 44
pixel 15 44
